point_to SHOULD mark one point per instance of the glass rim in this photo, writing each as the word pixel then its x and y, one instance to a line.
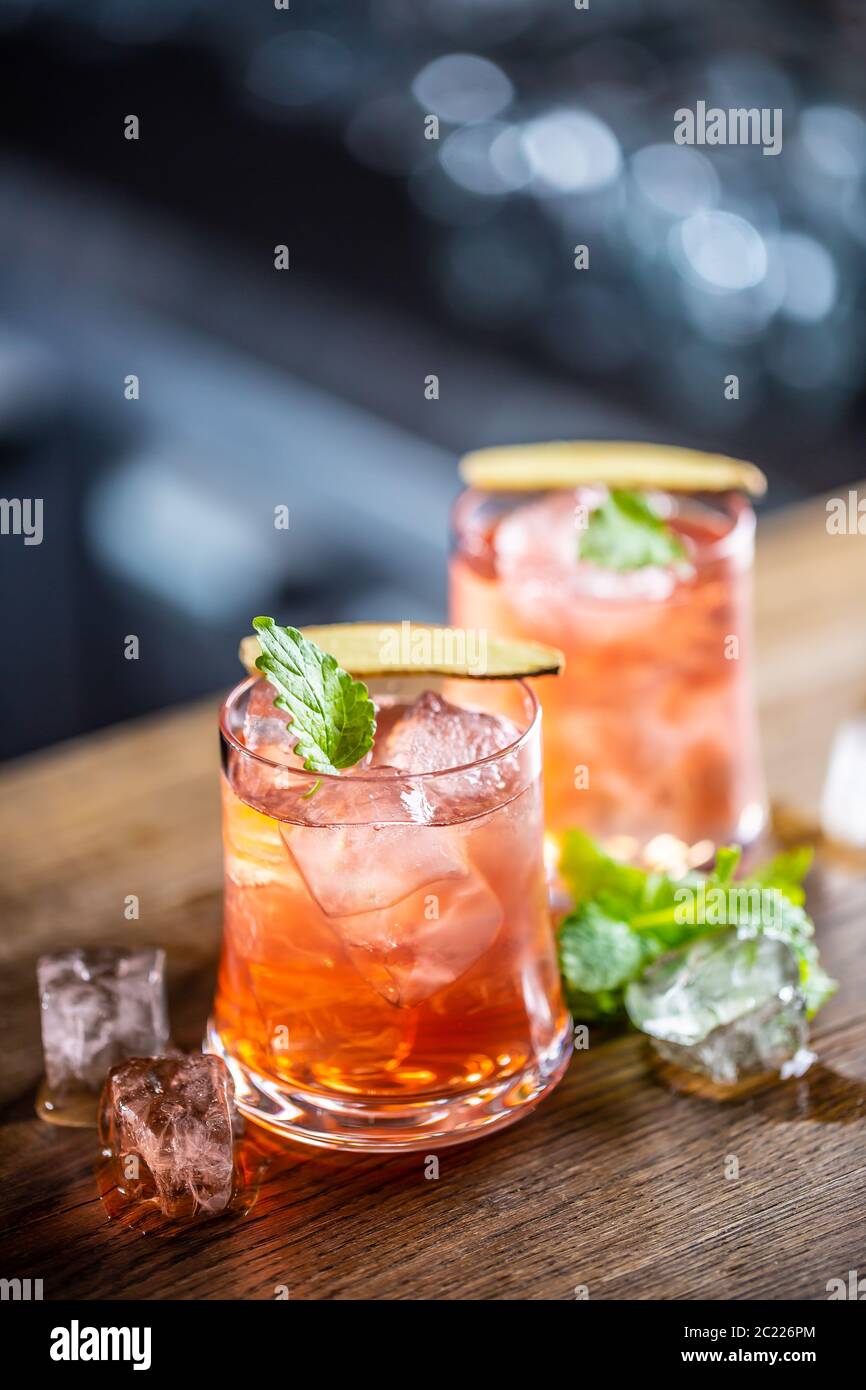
pixel 371 774
pixel 734 504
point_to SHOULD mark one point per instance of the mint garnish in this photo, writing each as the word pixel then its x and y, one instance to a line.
pixel 332 713
pixel 625 917
pixel 624 533
pixel 598 955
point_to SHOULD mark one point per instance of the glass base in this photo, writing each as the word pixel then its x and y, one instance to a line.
pixel 337 1122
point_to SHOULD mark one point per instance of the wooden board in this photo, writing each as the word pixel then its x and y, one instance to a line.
pixel 617 1183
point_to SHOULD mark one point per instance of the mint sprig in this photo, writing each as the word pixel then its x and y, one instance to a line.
pixel 624 533
pixel 599 955
pixel 626 917
pixel 333 716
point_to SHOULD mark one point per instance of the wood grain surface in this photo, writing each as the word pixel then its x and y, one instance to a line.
pixel 617 1182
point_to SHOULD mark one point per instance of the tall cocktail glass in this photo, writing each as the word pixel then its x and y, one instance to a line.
pixel 650 735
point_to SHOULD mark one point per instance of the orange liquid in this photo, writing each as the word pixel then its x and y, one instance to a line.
pixel 408 1007
pixel 651 728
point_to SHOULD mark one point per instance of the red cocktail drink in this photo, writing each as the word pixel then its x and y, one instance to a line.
pixel 651 729
pixel 389 977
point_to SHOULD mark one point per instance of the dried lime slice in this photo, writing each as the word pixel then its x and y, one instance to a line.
pixel 409 649
pixel 559 464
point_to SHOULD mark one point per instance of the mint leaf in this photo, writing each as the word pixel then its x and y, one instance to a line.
pixel 727 860
pixel 624 533
pixel 786 872
pixel 625 917
pixel 815 983
pixel 332 714
pixel 598 956
pixel 644 899
pixel 588 872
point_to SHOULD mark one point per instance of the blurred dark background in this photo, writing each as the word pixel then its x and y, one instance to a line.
pixel 409 257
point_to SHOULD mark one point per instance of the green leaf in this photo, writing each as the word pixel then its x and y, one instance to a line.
pixel 332 714
pixel 727 859
pixel 625 917
pixel 598 956
pixel 624 533
pixel 786 872
pixel 815 983
pixel 588 872
pixel 598 952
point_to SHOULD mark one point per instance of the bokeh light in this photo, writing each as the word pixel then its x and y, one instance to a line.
pixel 462 87
pixel 570 150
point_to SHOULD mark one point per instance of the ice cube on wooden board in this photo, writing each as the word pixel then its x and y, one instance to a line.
pixel 99 1006
pixel 166 1126
pixel 724 1006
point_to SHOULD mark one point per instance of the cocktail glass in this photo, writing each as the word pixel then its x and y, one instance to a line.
pixel 388 977
pixel 650 737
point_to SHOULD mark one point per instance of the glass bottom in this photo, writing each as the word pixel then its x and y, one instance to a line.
pixel 333 1122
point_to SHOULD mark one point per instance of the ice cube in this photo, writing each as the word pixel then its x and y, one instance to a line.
pixel 724 1007
pixel 433 735
pixel 799 1064
pixel 410 951
pixel 266 728
pixel 166 1125
pixel 99 1006
pixel 360 868
pixel 537 557
pixel 843 804
pixel 401 893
